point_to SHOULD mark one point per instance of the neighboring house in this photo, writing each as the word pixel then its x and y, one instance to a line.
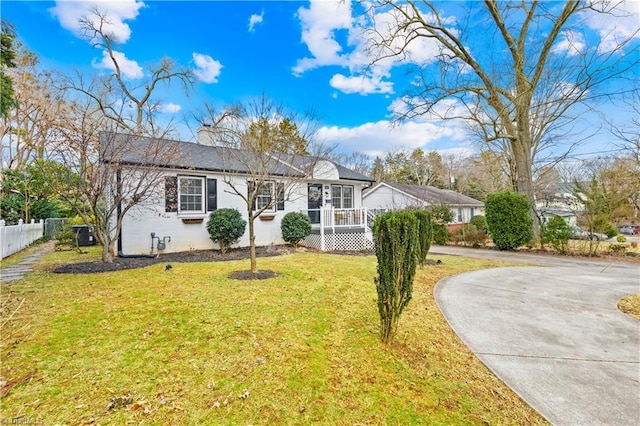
pixel 195 184
pixel 386 196
pixel 568 216
pixel 564 197
pixel 564 200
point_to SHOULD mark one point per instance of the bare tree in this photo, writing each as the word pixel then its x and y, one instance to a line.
pixel 356 161
pixel 129 104
pixel 31 125
pixel 628 131
pixel 112 148
pixel 517 72
pixel 103 174
pixel 261 168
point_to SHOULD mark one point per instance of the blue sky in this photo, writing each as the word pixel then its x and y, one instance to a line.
pixel 305 55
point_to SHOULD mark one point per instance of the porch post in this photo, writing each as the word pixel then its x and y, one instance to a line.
pixel 333 228
pixel 322 228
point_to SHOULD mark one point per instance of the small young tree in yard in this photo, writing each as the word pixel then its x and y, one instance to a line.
pixel 89 175
pixel 268 146
pixel 508 220
pixel 295 227
pixel 396 247
pixel 225 227
pixel 425 234
pixel 557 233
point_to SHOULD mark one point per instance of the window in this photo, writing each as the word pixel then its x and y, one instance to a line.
pixel 342 196
pixel 187 194
pixel 191 194
pixel 265 194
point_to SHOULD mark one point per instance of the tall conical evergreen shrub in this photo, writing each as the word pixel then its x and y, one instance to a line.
pixel 425 234
pixel 396 247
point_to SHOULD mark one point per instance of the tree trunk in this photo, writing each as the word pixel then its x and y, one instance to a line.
pixel 252 244
pixel 524 182
pixel 107 252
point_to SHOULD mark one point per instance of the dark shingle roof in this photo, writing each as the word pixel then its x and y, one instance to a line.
pixel 192 156
pixel 434 195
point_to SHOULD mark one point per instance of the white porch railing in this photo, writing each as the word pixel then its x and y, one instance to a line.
pixel 339 229
pixel 17 237
pixel 328 217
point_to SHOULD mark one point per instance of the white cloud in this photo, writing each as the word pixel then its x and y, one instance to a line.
pixel 324 27
pixel 130 69
pixel 319 23
pixel 69 13
pixel 207 68
pixel 379 137
pixel 571 43
pixel 361 84
pixel 170 108
pixel 255 19
pixel 618 25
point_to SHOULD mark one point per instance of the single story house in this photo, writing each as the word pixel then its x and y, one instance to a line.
pixel 385 196
pixel 569 216
pixel 198 178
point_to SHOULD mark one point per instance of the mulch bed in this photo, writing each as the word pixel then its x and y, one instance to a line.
pixel 122 263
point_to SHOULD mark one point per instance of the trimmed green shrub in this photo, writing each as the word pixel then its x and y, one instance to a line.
pixel 508 220
pixel 441 216
pixel 471 235
pixel 225 227
pixel 425 234
pixel 557 233
pixel 395 237
pixel 479 222
pixel 441 235
pixel 295 227
pixel 621 239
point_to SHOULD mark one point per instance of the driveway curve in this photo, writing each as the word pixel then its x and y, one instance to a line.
pixel 553 334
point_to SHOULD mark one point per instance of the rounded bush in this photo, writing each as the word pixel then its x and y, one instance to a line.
pixel 508 219
pixel 295 227
pixel 225 227
pixel 621 239
pixel 479 222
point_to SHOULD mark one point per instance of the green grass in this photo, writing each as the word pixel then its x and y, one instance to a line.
pixel 190 346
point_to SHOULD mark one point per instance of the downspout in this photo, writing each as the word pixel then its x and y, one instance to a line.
pixel 118 213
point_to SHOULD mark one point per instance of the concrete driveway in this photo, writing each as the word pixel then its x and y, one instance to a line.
pixel 553 334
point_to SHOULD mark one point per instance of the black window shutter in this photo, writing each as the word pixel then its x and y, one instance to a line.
pixel 171 194
pixel 212 195
pixel 280 196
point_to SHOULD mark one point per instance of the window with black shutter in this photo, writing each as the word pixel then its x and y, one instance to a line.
pixel 212 195
pixel 171 194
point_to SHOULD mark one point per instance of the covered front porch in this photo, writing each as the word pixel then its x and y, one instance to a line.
pixel 340 229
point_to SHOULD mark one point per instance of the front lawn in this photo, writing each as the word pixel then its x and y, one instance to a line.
pixel 190 346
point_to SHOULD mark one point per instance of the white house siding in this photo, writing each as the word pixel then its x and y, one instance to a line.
pixel 151 216
pixel 389 198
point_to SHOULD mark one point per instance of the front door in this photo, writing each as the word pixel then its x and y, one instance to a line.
pixel 314 201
